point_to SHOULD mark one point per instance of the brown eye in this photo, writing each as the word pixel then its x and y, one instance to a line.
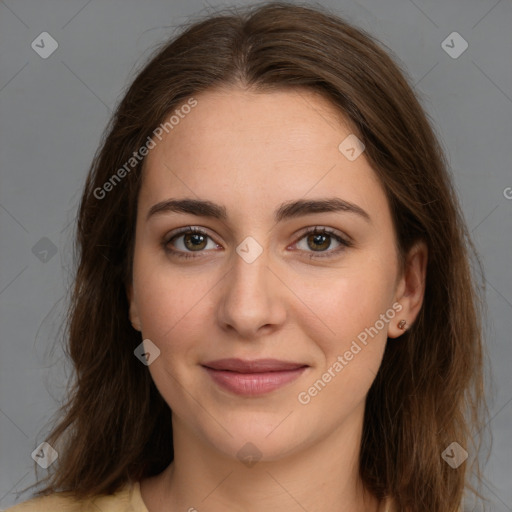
pixel 319 240
pixel 187 241
pixel 194 241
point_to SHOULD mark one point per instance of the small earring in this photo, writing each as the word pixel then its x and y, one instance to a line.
pixel 402 324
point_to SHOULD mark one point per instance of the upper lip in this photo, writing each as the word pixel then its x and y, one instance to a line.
pixel 253 366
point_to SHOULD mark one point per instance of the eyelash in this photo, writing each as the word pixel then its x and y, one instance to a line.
pixel 316 230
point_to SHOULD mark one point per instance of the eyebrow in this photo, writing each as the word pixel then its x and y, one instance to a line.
pixel 287 210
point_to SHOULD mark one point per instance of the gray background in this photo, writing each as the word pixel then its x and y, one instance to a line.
pixel 52 114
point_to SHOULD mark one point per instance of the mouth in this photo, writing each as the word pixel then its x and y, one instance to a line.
pixel 253 377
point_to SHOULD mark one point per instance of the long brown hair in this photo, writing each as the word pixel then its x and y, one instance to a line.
pixel 429 391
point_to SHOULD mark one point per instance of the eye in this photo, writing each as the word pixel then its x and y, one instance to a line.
pixel 193 240
pixel 320 239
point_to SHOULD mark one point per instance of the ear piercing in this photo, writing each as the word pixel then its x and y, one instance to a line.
pixel 402 325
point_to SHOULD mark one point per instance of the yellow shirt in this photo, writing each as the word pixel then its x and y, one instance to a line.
pixel 127 499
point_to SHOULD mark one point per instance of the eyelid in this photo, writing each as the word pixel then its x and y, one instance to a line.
pixel 324 229
pixel 187 229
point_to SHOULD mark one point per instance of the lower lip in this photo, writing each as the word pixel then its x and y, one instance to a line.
pixel 251 384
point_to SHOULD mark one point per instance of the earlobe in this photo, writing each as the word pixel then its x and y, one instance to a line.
pixel 411 289
pixel 397 328
pixel 133 314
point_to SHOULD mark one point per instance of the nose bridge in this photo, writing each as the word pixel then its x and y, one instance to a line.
pixel 250 298
pixel 248 276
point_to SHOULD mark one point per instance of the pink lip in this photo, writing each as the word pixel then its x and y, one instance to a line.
pixel 253 377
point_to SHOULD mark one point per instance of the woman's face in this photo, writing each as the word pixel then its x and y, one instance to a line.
pixel 253 284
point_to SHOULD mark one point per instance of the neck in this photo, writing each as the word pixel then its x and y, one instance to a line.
pixel 324 476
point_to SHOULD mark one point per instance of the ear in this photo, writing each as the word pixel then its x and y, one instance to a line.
pixel 410 288
pixel 133 313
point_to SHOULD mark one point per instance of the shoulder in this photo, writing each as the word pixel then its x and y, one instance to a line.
pixel 58 502
pixel 127 499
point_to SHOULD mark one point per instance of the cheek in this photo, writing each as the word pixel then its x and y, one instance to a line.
pixel 171 315
pixel 348 325
pixel 343 304
pixel 169 302
pixel 350 350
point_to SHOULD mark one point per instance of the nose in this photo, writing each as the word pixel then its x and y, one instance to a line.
pixel 253 298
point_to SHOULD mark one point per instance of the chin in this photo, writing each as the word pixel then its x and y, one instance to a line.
pixel 263 437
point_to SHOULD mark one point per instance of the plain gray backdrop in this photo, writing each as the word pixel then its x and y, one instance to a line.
pixel 53 111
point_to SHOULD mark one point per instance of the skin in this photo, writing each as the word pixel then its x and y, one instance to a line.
pixel 250 152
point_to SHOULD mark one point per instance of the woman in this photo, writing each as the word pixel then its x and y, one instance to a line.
pixel 273 307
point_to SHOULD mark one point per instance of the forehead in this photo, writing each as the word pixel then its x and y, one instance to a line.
pixel 240 120
pixel 256 147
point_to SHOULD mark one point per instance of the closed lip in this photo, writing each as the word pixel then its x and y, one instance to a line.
pixel 253 366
